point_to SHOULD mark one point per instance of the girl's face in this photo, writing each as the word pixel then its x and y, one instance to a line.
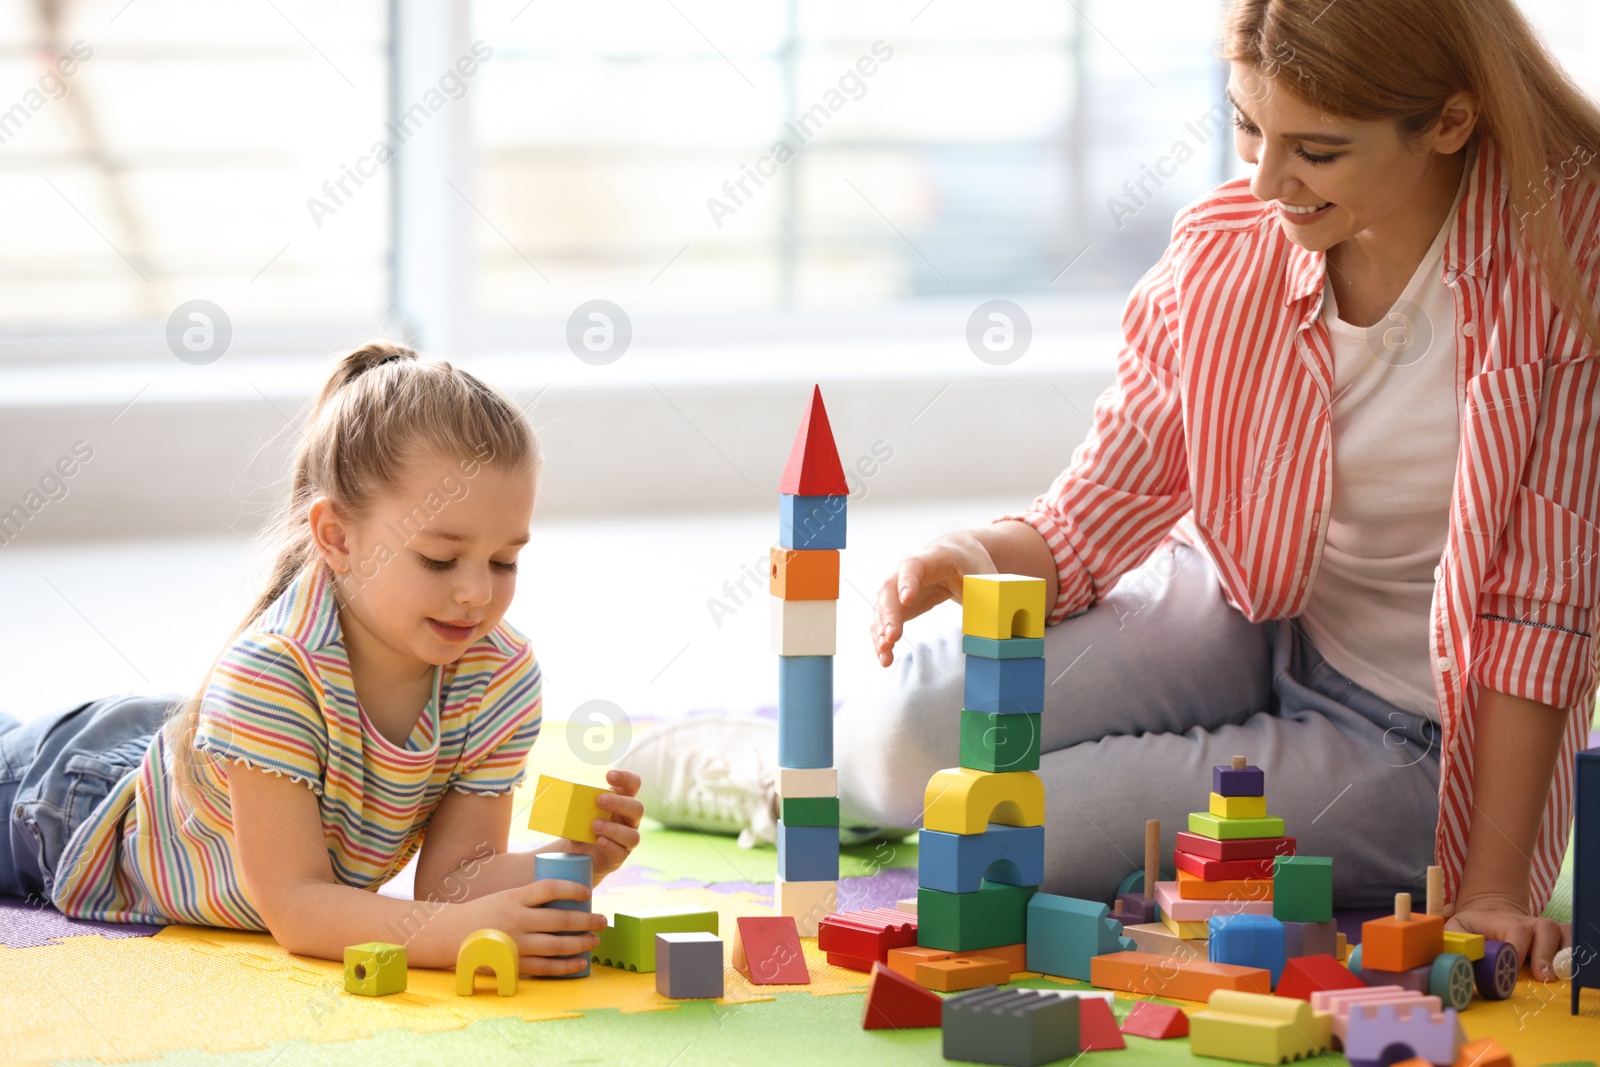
pixel 1357 174
pixel 433 566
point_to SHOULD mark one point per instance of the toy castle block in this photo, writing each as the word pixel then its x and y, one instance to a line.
pixel 982 855
pixel 804 583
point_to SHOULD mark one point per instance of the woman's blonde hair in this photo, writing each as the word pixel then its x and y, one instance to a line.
pixel 380 410
pixel 1402 59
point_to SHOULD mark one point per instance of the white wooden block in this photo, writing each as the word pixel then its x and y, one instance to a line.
pixel 807 902
pixel 808 782
pixel 804 627
pixel 908 905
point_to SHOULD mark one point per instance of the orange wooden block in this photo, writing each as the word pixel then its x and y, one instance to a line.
pixel 1193 887
pixel 904 961
pixel 963 972
pixel 1484 1052
pixel 1148 974
pixel 804 573
pixel 1394 944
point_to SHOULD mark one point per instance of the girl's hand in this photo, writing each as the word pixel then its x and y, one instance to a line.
pixel 619 835
pixel 929 577
pixel 1506 920
pixel 537 930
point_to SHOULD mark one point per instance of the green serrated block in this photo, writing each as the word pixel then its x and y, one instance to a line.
pixel 628 941
pixel 992 742
pixel 995 915
pixel 811 811
pixel 1219 829
pixel 1302 888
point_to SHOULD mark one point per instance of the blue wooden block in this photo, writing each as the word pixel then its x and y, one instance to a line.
pixel 1586 874
pixel 1004 686
pixel 805 711
pixel 1249 941
pixel 689 965
pixel 811 521
pixel 808 853
pixel 959 863
pixel 574 867
pixel 1011 648
pixel 1065 933
pixel 1248 782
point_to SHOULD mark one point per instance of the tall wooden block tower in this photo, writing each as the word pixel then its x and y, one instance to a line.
pixel 804 583
pixel 981 850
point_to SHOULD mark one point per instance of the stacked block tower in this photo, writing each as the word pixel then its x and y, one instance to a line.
pixel 804 582
pixel 981 850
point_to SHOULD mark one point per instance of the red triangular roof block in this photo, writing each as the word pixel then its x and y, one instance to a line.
pixel 1156 1021
pixel 766 950
pixel 1305 975
pixel 1097 1027
pixel 814 468
pixel 895 1002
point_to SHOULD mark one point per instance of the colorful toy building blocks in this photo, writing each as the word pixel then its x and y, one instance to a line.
pixel 1238 779
pixel 895 1002
pixel 961 800
pixel 807 782
pixel 1227 851
pixel 1401 941
pixel 1011 648
pixel 808 853
pixel 1002 606
pixel 1208 825
pixel 375 969
pixel 1311 939
pixel 995 742
pixel 628 942
pixel 1064 935
pixel 995 915
pixel 766 950
pixel 1304 975
pixel 955 973
pixel 493 949
pixel 805 722
pixel 812 522
pixel 1258 1029
pixel 814 468
pixel 809 811
pixel 1222 870
pixel 958 863
pixel 1156 938
pixel 1158 1022
pixel 1249 941
pixel 802 627
pixel 565 809
pixel 1174 907
pixel 1463 943
pixel 1019 1027
pixel 905 961
pixel 1134 909
pixel 804 574
pixel 1176 979
pixel 1380 1034
pixel 1004 686
pixel 1302 889
pixel 1191 887
pixel 1226 807
pixel 1495 972
pixel 689 965
pixel 1338 1003
pixel 865 936
pixel 574 867
pixel 805 902
pixel 1097 1026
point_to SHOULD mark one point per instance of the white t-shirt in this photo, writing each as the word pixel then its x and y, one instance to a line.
pixel 1396 435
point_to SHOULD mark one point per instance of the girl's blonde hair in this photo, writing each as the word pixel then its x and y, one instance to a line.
pixel 380 410
pixel 1401 59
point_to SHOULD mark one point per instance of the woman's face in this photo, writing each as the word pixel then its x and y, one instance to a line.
pixel 1357 174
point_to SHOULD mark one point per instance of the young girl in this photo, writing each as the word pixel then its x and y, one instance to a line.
pixel 1340 511
pixel 372 702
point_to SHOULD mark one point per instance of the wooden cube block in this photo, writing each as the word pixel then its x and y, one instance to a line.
pixel 689 965
pixel 804 574
pixel 805 902
pixel 1302 888
pixel 1245 781
pixel 1002 606
pixel 566 809
pixel 991 742
pixel 995 915
pixel 1004 686
pixel 812 522
pixel 1393 944
pixel 1250 941
pixel 808 853
pixel 1238 807
pixel 375 969
pixel 802 627
pixel 807 781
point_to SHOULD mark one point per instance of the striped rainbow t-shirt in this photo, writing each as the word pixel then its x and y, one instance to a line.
pixel 281 699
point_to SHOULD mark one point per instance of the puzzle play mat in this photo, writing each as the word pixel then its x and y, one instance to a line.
pixel 85 993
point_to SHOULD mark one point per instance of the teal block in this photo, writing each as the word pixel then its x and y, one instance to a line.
pixel 1065 933
pixel 1011 648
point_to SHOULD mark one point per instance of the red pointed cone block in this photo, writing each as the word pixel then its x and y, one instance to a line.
pixel 1156 1021
pixel 895 1002
pixel 1097 1027
pixel 814 468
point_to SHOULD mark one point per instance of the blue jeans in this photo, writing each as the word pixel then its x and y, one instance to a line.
pixel 1144 693
pixel 55 770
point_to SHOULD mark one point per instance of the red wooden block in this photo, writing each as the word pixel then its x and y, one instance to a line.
pixel 853 963
pixel 895 1002
pixel 1246 848
pixel 1221 870
pixel 814 468
pixel 866 935
pixel 1097 1027
pixel 1305 975
pixel 1156 1021
pixel 766 950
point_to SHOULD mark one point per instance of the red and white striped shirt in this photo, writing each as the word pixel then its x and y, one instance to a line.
pixel 1217 431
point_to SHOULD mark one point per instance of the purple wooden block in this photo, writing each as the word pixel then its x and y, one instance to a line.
pixel 1136 909
pixel 689 965
pixel 1249 782
pixel 1387 1036
pixel 1416 979
pixel 1311 939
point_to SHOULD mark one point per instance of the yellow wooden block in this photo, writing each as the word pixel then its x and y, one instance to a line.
pixel 493 949
pixel 961 800
pixel 566 809
pixel 1002 606
pixel 1464 944
pixel 1258 1028
pixel 1238 807
pixel 1188 931
pixel 378 968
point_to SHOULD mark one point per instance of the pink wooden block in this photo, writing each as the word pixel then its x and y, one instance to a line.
pixel 1338 1002
pixel 1180 910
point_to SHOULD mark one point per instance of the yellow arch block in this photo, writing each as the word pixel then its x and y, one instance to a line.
pixel 493 949
pixel 960 800
pixel 1002 606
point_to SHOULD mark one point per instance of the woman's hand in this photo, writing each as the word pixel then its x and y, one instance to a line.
pixel 1506 920
pixel 619 835
pixel 929 577
pixel 521 913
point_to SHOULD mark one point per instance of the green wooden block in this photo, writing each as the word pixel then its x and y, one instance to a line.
pixel 1011 648
pixel 628 941
pixel 1302 888
pixel 1219 829
pixel 811 811
pixel 999 742
pixel 995 915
